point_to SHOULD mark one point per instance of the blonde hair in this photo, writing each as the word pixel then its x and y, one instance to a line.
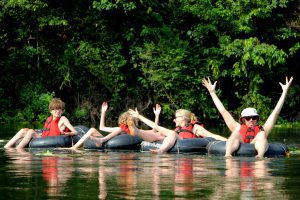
pixel 56 103
pixel 188 115
pixel 124 117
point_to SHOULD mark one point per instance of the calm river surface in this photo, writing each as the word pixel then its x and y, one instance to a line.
pixel 63 174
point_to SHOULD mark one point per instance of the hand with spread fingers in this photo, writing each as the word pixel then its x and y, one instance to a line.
pixel 134 113
pixel 287 84
pixel 207 83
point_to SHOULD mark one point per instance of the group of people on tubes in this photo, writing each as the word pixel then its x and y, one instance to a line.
pixel 245 130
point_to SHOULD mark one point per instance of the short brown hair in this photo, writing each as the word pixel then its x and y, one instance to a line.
pixel 56 103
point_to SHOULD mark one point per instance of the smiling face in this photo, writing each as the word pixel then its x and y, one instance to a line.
pixel 249 117
pixel 250 121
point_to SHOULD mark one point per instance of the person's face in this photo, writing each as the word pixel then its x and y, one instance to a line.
pixel 250 121
pixel 56 112
pixel 179 119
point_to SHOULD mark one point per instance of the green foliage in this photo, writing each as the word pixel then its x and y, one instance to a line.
pixel 109 5
pixel 80 114
pixel 36 103
pixel 138 53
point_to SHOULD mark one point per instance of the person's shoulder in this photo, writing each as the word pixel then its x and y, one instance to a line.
pixel 198 125
pixel 64 118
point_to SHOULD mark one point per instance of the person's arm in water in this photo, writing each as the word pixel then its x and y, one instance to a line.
pixel 274 115
pixel 229 120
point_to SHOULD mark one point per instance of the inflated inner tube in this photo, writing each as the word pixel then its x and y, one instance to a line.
pixel 246 149
pixel 120 142
pixel 56 141
pixel 183 145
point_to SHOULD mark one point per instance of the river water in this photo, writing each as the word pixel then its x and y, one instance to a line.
pixel 63 174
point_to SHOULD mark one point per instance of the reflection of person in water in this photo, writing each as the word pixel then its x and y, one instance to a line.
pixel 56 171
pixel 180 175
pixel 124 172
pixel 19 162
pixel 50 174
pixel 249 178
pixel 102 173
pixel 127 173
pixel 184 176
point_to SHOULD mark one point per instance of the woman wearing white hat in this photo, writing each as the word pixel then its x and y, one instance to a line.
pixel 248 130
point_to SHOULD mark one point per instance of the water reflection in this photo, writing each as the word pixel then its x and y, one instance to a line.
pixel 135 175
pixel 20 162
pixel 250 179
pixel 178 176
pixel 55 170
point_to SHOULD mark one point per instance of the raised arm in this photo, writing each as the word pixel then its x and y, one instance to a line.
pixel 274 115
pixel 102 126
pixel 229 120
pixel 153 125
pixel 156 111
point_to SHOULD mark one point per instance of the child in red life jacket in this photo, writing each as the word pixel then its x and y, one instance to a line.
pixel 55 125
pixel 113 131
pixel 248 130
pixel 186 127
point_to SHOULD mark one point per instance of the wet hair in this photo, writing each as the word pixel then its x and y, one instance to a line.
pixel 188 115
pixel 56 103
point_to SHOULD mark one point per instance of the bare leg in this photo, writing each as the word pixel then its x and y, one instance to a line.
pixel 88 134
pixel 167 144
pixel 150 123
pixel 232 143
pixel 29 135
pixel 111 135
pixel 261 144
pixel 147 135
pixel 98 141
pixel 21 133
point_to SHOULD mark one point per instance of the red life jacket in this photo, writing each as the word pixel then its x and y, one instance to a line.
pixel 249 133
pixel 125 128
pixel 186 132
pixel 51 127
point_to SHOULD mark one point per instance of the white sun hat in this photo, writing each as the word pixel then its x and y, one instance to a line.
pixel 247 112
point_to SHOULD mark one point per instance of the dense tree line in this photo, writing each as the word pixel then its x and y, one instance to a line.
pixel 138 53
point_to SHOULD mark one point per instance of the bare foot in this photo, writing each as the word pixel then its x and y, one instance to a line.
pixel 228 156
pixel 156 151
pixel 98 141
pixel 287 154
pixel 132 128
